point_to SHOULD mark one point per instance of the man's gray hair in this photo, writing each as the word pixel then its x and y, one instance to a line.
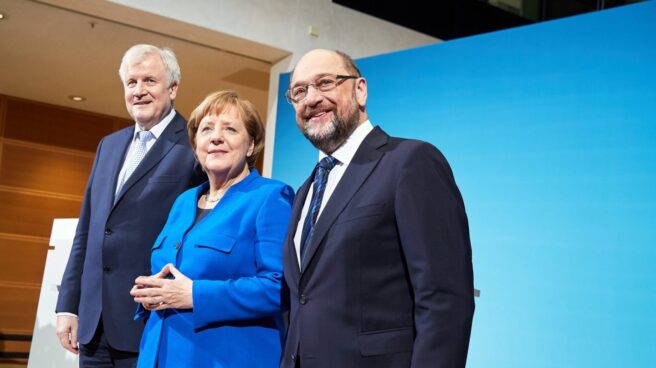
pixel 138 53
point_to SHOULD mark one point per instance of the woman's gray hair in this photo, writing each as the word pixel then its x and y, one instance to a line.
pixel 138 53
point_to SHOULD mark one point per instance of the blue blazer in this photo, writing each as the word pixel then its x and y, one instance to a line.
pixel 234 257
pixel 386 280
pixel 114 233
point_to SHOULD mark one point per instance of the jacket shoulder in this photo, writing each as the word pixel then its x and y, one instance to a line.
pixel 268 187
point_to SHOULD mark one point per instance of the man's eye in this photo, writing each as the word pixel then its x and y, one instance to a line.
pixel 131 83
pixel 299 91
pixel 325 83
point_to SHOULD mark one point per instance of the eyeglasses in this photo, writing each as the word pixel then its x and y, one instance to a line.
pixel 324 83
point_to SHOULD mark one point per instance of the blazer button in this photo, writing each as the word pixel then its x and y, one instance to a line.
pixel 107 268
pixel 302 299
pixel 293 357
pixel 178 245
pixel 108 231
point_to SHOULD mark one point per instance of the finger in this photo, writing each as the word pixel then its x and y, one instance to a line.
pixel 163 272
pixel 151 282
pixel 73 342
pixel 141 279
pixel 64 340
pixel 135 289
pixel 148 300
pixel 138 291
pixel 174 271
pixel 160 306
pixel 149 307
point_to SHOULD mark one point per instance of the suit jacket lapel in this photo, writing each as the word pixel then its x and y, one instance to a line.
pixel 297 209
pixel 121 144
pixel 169 137
pixel 365 160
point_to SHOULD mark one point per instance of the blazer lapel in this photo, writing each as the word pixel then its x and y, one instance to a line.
pixel 121 145
pixel 365 160
pixel 169 137
pixel 297 209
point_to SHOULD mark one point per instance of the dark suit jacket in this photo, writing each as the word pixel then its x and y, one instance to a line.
pixel 113 238
pixel 387 279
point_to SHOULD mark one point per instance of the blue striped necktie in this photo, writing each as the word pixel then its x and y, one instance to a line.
pixel 321 172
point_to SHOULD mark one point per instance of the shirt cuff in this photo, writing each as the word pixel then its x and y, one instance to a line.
pixel 66 314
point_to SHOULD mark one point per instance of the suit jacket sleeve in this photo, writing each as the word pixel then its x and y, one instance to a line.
pixel 435 240
pixel 257 296
pixel 69 294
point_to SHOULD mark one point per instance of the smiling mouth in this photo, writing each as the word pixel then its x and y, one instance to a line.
pixel 317 115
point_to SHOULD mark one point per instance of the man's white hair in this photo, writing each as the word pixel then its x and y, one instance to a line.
pixel 138 53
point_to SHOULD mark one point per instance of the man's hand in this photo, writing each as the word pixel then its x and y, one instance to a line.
pixel 159 292
pixel 67 333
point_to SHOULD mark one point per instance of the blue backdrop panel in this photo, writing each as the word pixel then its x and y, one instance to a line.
pixel 551 132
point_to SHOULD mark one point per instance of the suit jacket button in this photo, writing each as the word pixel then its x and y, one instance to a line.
pixel 293 357
pixel 107 268
pixel 178 245
pixel 302 299
pixel 108 231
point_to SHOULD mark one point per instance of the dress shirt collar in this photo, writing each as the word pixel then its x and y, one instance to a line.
pixel 345 153
pixel 158 128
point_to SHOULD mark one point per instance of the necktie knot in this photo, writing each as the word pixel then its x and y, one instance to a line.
pixel 144 136
pixel 327 163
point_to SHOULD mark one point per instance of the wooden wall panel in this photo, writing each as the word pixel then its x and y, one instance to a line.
pixel 27 214
pixel 122 123
pixel 43 168
pixel 3 109
pixel 19 302
pixel 27 260
pixel 46 153
pixel 45 124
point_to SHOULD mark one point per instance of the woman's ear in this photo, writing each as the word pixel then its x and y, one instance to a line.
pixel 251 148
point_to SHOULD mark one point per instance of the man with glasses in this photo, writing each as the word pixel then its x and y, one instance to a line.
pixel 377 258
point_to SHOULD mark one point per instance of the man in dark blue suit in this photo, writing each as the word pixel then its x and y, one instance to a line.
pixel 377 257
pixel 136 175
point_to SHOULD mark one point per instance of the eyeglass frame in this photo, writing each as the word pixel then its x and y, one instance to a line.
pixel 340 78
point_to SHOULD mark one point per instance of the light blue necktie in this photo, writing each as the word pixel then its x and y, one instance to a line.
pixel 321 172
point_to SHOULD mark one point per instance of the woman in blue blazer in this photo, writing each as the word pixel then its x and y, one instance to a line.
pixel 214 299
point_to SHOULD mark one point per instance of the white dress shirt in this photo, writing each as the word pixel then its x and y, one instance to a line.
pixel 344 155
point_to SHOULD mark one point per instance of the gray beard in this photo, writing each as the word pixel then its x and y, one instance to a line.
pixel 338 132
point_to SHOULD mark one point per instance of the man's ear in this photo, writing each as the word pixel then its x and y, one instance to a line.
pixel 173 91
pixel 361 92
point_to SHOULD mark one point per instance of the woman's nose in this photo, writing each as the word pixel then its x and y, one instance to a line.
pixel 217 136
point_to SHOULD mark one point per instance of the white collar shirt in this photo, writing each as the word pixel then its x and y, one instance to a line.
pixel 344 155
